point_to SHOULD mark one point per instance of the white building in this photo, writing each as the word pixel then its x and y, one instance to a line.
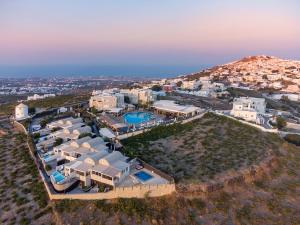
pixel 37 97
pixel 106 101
pixel 191 85
pixel 292 97
pixel 170 107
pixel 21 112
pixel 91 163
pixel 139 96
pixel 65 123
pixel 103 102
pixel 248 108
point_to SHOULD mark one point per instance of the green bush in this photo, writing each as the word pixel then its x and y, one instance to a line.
pixel 48 167
pixel 36 135
pixel 84 135
pixel 280 122
pixel 58 141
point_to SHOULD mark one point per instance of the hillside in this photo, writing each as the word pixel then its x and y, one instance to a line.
pixel 273 199
pixel 202 150
pixel 259 72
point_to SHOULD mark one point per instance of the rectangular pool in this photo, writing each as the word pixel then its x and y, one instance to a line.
pixel 58 177
pixel 143 176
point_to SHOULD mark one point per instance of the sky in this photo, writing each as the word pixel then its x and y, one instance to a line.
pixel 141 37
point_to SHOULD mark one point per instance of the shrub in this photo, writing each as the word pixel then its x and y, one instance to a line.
pixel 84 135
pixel 156 88
pixel 280 122
pixel 36 135
pixel 48 167
pixel 58 141
pixel 293 138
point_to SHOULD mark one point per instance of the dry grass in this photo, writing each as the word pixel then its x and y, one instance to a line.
pixel 204 148
pixel 23 198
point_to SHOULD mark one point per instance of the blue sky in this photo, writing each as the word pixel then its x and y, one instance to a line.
pixel 142 37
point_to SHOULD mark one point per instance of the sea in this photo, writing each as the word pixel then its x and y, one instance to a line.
pixel 140 71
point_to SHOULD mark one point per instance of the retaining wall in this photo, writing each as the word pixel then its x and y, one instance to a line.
pixel 140 191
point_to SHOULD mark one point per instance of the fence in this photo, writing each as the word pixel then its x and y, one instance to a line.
pixel 248 123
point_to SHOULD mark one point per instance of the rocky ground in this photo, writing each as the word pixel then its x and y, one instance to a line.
pixel 23 199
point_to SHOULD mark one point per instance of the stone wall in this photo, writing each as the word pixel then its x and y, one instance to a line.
pixel 139 191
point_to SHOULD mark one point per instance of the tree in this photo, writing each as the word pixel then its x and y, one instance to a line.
pixel 280 122
pixel 55 129
pixel 293 138
pixel 43 123
pixel 36 135
pixel 84 135
pixel 285 98
pixel 179 84
pixel 48 167
pixel 31 110
pixel 94 110
pixel 58 141
pixel 156 88
pixel 126 99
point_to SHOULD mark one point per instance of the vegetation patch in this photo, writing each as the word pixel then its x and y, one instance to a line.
pixel 201 149
pixel 22 192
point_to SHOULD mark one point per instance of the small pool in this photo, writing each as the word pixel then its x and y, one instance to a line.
pixel 143 176
pixel 58 177
pixel 48 157
pixel 137 117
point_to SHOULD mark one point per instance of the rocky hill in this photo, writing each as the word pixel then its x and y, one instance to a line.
pixel 258 72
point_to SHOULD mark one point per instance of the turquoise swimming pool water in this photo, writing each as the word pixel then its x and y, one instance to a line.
pixel 58 177
pixel 137 117
pixel 143 176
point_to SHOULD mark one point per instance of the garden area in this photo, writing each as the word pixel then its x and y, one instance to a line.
pixel 200 150
pixel 23 199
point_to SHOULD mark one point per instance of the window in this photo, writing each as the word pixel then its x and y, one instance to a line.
pixel 80 173
pixel 107 177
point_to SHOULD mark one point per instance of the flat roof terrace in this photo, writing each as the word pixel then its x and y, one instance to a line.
pixel 131 180
pixel 172 107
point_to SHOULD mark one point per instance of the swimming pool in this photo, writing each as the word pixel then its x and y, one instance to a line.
pixel 143 176
pixel 135 118
pixel 48 157
pixel 58 177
